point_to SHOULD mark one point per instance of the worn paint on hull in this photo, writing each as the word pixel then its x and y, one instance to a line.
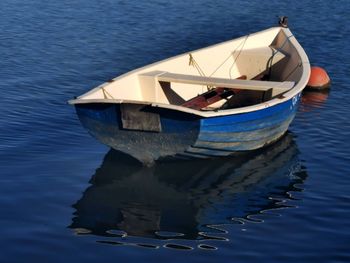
pixel 188 135
pixel 103 121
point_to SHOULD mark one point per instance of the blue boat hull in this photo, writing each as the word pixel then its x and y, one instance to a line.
pixel 187 135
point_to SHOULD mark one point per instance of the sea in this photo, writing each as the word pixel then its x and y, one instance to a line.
pixel 65 197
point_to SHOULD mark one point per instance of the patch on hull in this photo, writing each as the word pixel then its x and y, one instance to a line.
pixel 139 118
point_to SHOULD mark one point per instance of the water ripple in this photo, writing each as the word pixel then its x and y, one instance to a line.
pixel 290 205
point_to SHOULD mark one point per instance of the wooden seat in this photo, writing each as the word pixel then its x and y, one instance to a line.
pixel 278 87
pixel 261 89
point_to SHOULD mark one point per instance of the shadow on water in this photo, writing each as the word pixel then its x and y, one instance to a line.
pixel 186 200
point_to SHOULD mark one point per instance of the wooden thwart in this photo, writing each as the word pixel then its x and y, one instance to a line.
pixel 279 87
pixel 223 88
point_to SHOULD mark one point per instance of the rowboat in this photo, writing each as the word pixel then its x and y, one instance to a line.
pixel 234 96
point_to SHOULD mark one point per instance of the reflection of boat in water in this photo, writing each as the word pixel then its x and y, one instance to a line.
pixel 179 199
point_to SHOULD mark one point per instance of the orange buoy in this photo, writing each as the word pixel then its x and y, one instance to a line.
pixel 319 79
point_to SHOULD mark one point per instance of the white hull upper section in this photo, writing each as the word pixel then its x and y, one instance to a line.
pixel 247 56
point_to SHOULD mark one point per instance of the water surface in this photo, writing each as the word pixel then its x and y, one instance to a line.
pixel 65 197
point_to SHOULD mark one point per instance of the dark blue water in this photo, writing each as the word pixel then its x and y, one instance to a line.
pixel 66 198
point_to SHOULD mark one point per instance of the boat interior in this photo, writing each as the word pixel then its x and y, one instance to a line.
pixel 242 72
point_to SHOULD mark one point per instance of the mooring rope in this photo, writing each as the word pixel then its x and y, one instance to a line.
pixel 235 59
pixel 105 93
pixel 229 56
pixel 193 62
